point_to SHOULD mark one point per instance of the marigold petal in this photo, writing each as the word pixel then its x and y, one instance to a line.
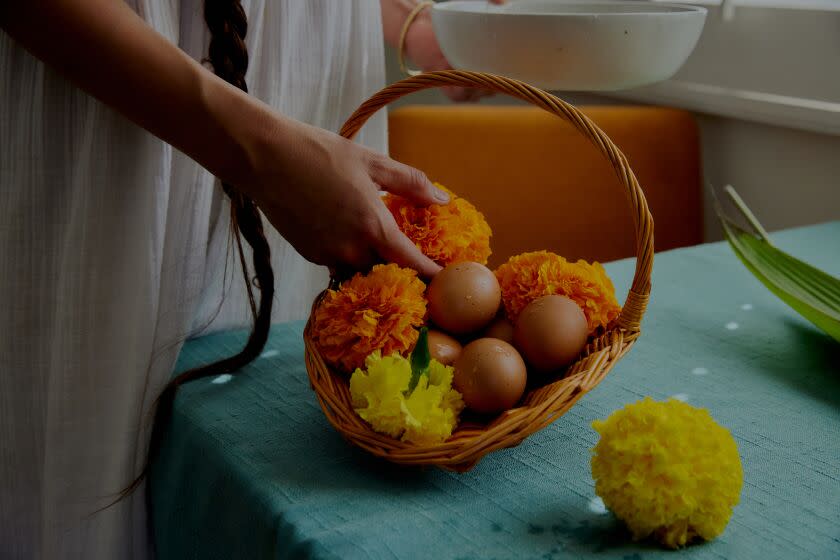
pixel 378 311
pixel 446 233
pixel 526 277
pixel 668 470
pixel 426 416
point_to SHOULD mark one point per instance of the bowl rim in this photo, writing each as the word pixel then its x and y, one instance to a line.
pixel 663 9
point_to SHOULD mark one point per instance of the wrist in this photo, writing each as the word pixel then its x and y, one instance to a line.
pixel 417 35
pixel 394 14
pixel 236 126
pixel 259 147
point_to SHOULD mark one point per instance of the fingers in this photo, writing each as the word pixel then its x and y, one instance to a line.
pixel 374 235
pixel 354 257
pixel 458 94
pixel 406 181
pixel 398 249
pixel 395 248
pixel 482 93
pixel 378 240
pixel 466 95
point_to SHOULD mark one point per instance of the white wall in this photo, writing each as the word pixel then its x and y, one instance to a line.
pixel 787 177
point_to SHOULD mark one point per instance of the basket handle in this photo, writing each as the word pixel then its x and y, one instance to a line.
pixel 636 302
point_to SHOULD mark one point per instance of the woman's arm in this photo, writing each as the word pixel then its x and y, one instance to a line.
pixel 318 189
pixel 108 51
pixel 421 45
pixel 394 13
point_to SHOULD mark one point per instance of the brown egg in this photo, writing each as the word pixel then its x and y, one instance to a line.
pixel 501 329
pixel 463 297
pixel 443 347
pixel 490 375
pixel 550 332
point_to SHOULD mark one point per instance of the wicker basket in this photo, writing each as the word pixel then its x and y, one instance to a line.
pixel 543 405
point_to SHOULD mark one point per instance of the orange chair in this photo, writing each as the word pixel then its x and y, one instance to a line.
pixel 541 185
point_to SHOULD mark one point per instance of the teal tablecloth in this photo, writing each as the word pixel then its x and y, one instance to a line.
pixel 252 470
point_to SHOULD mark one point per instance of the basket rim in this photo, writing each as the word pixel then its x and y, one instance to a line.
pixel 636 301
pixel 541 405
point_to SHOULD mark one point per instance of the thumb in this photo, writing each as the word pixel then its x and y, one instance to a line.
pixel 395 247
pixel 408 182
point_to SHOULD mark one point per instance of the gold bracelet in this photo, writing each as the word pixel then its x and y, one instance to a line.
pixel 408 21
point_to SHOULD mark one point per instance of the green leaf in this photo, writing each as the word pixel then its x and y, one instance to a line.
pixel 420 359
pixel 809 291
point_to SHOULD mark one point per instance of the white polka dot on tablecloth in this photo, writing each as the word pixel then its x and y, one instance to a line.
pixel 596 505
pixel 680 397
pixel 224 378
pixel 747 307
pixel 732 325
pixel 699 371
pixel 269 354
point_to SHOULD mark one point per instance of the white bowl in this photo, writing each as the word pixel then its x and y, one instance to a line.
pixel 563 45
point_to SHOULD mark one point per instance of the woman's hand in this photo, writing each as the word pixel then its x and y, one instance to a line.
pixel 323 194
pixel 318 189
pixel 422 47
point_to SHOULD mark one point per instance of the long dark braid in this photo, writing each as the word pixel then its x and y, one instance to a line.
pixel 228 56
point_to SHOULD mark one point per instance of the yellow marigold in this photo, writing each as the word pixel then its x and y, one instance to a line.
pixel 426 416
pixel 377 311
pixel 446 233
pixel 378 393
pixel 528 276
pixel 668 470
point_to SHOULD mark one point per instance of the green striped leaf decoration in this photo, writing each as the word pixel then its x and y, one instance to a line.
pixel 809 291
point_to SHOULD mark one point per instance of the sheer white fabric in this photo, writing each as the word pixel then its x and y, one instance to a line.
pixel 113 248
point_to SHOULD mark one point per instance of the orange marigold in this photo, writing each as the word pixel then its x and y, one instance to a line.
pixel 446 233
pixel 528 276
pixel 378 311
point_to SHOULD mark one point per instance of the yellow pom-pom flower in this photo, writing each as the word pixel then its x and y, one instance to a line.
pixel 668 470
pixel 426 415
pixel 378 311
pixel 446 233
pixel 378 392
pixel 526 277
pixel 431 410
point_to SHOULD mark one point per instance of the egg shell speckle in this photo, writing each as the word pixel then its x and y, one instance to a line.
pixel 490 375
pixel 463 298
pixel 443 347
pixel 500 328
pixel 550 332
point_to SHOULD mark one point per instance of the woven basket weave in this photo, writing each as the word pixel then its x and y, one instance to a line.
pixel 543 405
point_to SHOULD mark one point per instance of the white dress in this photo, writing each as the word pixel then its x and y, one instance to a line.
pixel 112 251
